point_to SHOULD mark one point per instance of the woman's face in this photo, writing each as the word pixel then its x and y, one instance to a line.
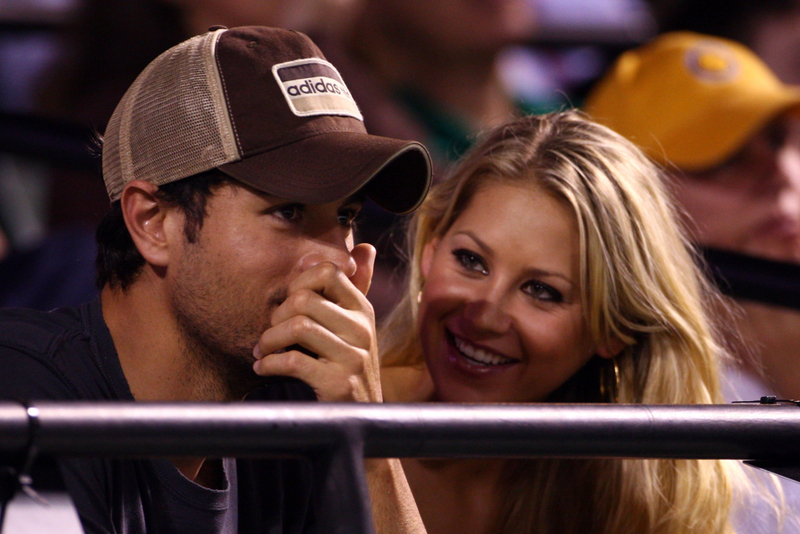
pixel 501 318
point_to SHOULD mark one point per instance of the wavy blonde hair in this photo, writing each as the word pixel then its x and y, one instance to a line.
pixel 640 284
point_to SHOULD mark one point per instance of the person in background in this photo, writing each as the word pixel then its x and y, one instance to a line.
pixel 770 28
pixel 549 267
pixel 435 64
pixel 726 132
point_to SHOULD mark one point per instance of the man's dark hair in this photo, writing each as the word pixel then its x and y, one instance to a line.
pixel 118 261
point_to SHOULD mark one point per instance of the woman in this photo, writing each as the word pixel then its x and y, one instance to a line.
pixel 548 267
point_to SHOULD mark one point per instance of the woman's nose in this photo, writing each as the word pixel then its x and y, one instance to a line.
pixel 488 314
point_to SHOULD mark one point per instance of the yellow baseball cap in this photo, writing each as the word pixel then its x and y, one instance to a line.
pixel 690 100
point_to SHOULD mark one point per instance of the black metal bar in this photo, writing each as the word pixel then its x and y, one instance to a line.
pixel 340 473
pixel 751 278
pixel 407 430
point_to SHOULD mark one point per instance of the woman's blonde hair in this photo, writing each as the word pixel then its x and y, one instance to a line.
pixel 640 285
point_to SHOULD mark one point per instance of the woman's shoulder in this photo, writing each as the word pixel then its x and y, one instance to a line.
pixel 406 383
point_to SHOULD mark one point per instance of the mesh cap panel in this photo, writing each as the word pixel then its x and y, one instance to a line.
pixel 173 121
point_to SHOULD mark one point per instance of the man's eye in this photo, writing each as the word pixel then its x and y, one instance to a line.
pixel 289 212
pixel 348 218
pixel 542 291
pixel 470 261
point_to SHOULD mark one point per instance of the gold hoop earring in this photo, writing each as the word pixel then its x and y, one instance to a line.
pixel 609 385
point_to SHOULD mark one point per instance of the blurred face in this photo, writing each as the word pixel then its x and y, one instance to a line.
pixel 775 40
pixel 501 318
pixel 752 203
pixel 4 245
pixel 461 25
pixel 200 14
pixel 227 284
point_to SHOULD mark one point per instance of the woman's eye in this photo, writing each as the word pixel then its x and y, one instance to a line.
pixel 544 292
pixel 470 261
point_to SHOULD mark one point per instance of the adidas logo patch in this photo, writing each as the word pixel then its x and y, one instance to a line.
pixel 314 87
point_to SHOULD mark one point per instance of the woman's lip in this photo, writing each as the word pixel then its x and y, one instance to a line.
pixel 468 365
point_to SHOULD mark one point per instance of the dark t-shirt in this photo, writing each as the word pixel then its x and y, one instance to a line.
pixel 68 354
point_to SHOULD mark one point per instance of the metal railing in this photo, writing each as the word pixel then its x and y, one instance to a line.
pixel 338 436
pixel 746 432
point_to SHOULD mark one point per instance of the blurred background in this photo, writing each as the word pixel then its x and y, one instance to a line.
pixel 438 71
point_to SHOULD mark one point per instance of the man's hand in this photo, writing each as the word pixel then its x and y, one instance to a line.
pixel 327 314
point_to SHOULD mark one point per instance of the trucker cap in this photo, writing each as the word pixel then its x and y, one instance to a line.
pixel 690 100
pixel 263 106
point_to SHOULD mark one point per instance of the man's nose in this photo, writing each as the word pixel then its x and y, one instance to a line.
pixel 784 183
pixel 337 253
pixel 787 166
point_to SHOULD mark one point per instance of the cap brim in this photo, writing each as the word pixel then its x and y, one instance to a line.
pixel 724 134
pixel 332 166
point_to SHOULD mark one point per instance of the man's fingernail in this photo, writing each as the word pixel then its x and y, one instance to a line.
pixel 257 353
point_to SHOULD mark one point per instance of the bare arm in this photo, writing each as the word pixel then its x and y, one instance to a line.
pixel 393 508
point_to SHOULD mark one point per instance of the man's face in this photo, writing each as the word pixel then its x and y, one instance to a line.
pixel 225 286
pixel 750 204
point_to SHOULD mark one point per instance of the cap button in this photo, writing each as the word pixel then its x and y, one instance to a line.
pixel 217 27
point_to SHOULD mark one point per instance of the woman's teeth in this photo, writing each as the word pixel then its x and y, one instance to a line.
pixel 477 355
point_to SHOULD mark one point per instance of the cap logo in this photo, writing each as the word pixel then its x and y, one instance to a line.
pixel 314 87
pixel 712 62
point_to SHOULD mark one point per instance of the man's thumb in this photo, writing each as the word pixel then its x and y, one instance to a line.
pixel 364 256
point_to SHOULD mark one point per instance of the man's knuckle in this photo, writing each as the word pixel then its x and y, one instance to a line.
pixel 301 299
pixel 300 326
pixel 328 270
pixel 294 361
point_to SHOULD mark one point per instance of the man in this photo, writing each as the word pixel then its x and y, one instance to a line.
pixel 235 164
pixel 727 133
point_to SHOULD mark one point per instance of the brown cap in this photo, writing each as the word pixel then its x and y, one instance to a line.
pixel 265 107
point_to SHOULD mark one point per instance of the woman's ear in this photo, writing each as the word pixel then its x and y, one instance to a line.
pixel 427 256
pixel 146 218
pixel 612 348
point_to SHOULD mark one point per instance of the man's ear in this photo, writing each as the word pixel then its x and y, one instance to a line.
pixel 612 348
pixel 427 256
pixel 149 222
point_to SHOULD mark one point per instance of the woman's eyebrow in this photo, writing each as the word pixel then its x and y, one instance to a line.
pixel 534 270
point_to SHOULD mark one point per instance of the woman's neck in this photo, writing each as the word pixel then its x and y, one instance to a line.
pixel 455 496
